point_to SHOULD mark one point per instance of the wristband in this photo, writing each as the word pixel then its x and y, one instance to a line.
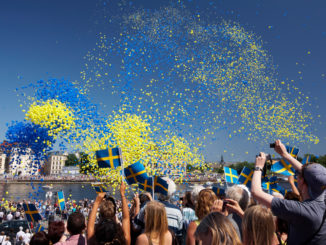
pixel 258 169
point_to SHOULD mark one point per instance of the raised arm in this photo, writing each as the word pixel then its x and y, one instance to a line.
pixel 256 190
pixel 92 216
pixel 125 214
pixel 293 187
pixel 281 149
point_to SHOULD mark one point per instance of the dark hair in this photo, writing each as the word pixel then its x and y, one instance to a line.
pixel 143 198
pixel 55 231
pixel 290 195
pixel 109 231
pixel 39 238
pixel 76 223
pixel 188 200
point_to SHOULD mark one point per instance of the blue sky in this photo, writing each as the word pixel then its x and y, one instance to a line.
pixel 42 39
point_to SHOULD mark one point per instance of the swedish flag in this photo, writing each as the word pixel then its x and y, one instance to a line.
pixel 31 213
pixel 61 200
pixel 135 173
pixel 269 183
pixel 293 151
pixel 283 167
pixel 231 175
pixel 146 185
pixel 218 191
pixel 39 228
pixel 306 159
pixel 161 186
pixel 245 177
pixel 99 188
pixel 108 158
pixel 279 189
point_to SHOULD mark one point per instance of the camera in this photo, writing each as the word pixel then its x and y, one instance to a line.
pixel 224 205
pixel 272 145
pixel 268 156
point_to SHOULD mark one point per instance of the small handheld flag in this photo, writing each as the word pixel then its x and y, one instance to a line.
pixel 99 188
pixel 231 175
pixel 283 167
pixel 61 201
pixel 161 186
pixel 245 177
pixel 306 159
pixel 146 185
pixel 293 151
pixel 218 191
pixel 135 173
pixel 270 183
pixel 31 213
pixel 279 189
pixel 39 228
pixel 108 158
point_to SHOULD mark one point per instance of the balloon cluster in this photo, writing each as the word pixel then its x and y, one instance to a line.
pixel 53 115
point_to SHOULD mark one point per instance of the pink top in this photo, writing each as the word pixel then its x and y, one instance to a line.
pixel 73 240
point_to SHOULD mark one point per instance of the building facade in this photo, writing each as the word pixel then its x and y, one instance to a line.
pixel 2 163
pixel 55 163
pixel 22 162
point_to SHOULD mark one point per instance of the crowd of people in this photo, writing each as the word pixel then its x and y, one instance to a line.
pixel 242 216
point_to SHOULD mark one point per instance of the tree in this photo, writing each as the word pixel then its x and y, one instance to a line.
pixel 84 164
pixel 239 166
pixel 72 160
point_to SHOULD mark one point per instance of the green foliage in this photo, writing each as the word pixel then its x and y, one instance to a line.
pixel 72 160
pixel 239 166
pixel 318 159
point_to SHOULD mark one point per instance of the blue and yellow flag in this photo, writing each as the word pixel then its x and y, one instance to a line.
pixel 306 159
pixel 39 228
pixel 99 188
pixel 282 167
pixel 269 183
pixel 245 177
pixel 61 201
pixel 31 213
pixel 146 185
pixel 108 158
pixel 293 151
pixel 161 186
pixel 231 175
pixel 279 189
pixel 135 173
pixel 218 191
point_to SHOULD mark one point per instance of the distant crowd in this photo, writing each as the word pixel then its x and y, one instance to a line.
pixel 242 216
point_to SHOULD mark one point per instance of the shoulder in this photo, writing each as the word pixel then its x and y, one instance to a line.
pixel 168 238
pixel 192 227
pixel 142 239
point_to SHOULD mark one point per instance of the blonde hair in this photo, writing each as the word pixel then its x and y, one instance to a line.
pixel 258 226
pixel 204 203
pixel 156 222
pixel 221 229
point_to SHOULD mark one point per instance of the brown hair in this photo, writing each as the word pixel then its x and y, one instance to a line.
pixel 204 203
pixel 258 226
pixel 108 209
pixel 221 229
pixel 55 231
pixel 156 222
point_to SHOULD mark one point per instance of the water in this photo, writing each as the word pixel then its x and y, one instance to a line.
pixel 19 191
pixel 74 191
